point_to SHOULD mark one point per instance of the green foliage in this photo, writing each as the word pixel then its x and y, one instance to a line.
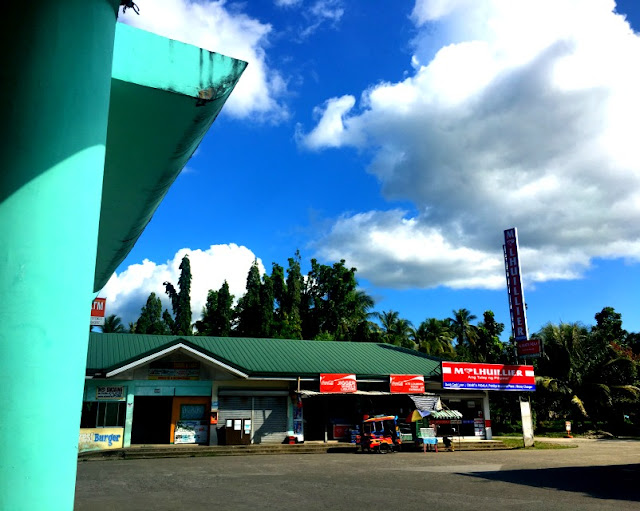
pixel 331 302
pixel 181 300
pixel 465 333
pixel 488 347
pixel 518 443
pixel 168 320
pixel 249 310
pixel 584 373
pixel 112 325
pixel 396 330
pixel 291 323
pixel 435 337
pixel 609 327
pixel 217 314
pixel 150 320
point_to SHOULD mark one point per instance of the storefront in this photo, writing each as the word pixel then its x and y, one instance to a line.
pixel 144 389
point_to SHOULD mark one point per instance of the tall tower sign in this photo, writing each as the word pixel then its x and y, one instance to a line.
pixel 526 347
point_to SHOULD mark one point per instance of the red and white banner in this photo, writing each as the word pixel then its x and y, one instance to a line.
pixel 97 307
pixel 338 383
pixel 97 311
pixel 406 383
pixel 464 375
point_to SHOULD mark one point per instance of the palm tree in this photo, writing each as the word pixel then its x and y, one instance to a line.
pixel 403 329
pixel 464 332
pixel 395 330
pixel 355 326
pixel 434 337
pixel 388 322
pixel 582 373
pixel 112 325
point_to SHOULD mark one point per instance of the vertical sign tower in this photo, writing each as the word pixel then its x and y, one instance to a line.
pixel 526 347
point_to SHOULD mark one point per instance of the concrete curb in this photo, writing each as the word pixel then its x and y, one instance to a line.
pixel 192 451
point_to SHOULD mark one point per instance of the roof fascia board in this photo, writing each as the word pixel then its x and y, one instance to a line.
pixel 306 377
pixel 158 62
pixel 159 354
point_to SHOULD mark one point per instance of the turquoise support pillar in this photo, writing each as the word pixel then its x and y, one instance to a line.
pixel 56 77
pixel 128 421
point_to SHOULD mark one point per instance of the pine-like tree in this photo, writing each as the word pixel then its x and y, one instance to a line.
pixel 150 320
pixel 181 300
pixel 248 310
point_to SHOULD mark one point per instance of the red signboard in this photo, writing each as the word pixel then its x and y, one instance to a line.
pixel 98 307
pixel 338 383
pixel 406 383
pixel 97 312
pixel 529 348
pixel 341 431
pixel 463 375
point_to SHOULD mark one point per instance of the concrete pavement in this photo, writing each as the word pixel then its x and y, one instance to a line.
pixel 597 475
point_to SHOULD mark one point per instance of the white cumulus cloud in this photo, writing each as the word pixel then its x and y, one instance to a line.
pixel 527 116
pixel 215 26
pixel 127 292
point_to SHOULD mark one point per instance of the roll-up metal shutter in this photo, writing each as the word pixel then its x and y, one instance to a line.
pixel 232 407
pixel 269 420
pixel 268 416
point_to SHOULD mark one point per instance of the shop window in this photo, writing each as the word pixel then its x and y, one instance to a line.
pixel 192 412
pixel 103 414
pixel 89 414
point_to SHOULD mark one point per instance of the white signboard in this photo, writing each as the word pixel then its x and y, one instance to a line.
pixel 190 432
pixel 110 392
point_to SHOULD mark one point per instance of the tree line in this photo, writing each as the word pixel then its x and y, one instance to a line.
pixel 587 373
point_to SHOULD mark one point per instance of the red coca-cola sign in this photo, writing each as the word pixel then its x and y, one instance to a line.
pixel 406 383
pixel 338 383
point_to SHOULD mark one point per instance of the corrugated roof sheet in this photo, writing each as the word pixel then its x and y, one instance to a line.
pixel 267 357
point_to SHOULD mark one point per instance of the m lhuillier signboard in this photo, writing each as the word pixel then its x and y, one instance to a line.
pixel 526 347
pixel 463 375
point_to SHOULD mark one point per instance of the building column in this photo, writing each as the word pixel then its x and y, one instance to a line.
pixel 128 421
pixel 215 408
pixel 486 412
pixel 56 77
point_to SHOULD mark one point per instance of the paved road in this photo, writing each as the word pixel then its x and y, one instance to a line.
pixel 596 475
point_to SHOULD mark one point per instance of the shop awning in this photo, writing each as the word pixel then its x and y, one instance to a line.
pixel 427 403
pixel 446 414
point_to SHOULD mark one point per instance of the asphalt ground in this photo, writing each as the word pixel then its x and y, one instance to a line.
pixel 596 475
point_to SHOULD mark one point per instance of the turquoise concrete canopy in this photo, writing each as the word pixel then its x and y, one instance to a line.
pixel 164 97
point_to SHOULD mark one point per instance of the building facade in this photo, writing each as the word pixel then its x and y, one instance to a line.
pixel 145 389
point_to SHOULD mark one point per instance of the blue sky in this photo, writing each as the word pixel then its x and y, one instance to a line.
pixel 405 137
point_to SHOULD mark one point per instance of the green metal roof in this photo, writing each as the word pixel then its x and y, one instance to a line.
pixel 267 357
